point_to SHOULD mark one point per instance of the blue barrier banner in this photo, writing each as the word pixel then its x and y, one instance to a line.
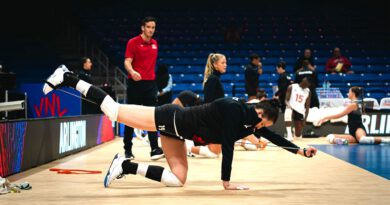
pixel 29 143
pixel 55 104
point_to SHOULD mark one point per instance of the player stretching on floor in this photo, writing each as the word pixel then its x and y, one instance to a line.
pixel 357 132
pixel 223 121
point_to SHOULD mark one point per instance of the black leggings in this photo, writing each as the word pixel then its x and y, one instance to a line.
pixel 142 92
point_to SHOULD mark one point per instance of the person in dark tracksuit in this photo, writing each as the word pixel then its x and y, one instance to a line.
pixel 283 82
pixel 307 55
pixel 164 85
pixel 252 72
pixel 303 72
pixel 84 73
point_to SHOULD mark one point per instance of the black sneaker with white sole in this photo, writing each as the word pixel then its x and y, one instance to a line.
pixel 156 154
pixel 129 155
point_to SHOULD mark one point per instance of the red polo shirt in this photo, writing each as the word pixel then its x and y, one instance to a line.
pixel 333 61
pixel 144 55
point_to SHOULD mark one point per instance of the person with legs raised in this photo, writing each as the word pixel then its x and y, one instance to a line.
pixel 223 121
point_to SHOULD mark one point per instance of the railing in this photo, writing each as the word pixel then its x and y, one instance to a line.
pixel 120 81
pixel 100 60
pixel 70 32
pixel 120 84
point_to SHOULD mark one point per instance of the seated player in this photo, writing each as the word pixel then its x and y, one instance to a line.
pixel 357 132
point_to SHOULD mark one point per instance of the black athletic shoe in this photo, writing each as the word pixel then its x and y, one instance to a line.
pixel 129 155
pixel 156 154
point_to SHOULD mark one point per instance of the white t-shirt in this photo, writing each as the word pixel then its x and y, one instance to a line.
pixel 298 98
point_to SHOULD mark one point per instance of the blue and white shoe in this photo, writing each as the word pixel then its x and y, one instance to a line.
pixel 55 80
pixel 115 170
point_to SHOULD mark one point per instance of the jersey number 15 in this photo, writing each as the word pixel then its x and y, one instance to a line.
pixel 299 98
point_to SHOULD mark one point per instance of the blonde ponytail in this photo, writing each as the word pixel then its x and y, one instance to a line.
pixel 213 57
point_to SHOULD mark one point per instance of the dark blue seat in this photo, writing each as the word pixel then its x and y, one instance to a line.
pixel 377 95
pixel 186 38
pixel 334 77
pixel 359 68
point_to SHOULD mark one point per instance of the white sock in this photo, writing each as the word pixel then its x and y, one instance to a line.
pixel 189 145
pixel 249 146
pixel 205 151
pixel 289 133
pixel 385 140
pixel 83 87
pixel 330 138
pixel 367 140
pixel 142 169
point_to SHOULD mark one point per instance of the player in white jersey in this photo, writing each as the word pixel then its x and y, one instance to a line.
pixel 298 99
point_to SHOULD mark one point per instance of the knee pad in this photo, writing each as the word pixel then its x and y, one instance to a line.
pixel 330 138
pixel 110 108
pixel 205 151
pixel 366 140
pixel 170 180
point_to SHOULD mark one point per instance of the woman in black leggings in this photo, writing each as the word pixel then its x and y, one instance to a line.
pixel 223 121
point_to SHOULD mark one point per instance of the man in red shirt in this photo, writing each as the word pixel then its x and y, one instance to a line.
pixel 140 62
pixel 338 63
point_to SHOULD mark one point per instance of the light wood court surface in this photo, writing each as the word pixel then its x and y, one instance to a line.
pixel 275 176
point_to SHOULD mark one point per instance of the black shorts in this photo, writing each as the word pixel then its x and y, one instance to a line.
pixel 165 119
pixel 189 98
pixel 352 130
pixel 199 141
pixel 297 116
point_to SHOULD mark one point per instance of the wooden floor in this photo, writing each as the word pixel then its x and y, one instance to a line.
pixel 275 176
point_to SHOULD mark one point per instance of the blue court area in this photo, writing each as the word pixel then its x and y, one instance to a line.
pixel 374 158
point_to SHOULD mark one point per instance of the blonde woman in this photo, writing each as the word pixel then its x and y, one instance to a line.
pixel 216 65
pixel 212 86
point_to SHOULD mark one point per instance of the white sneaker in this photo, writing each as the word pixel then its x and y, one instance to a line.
pixel 189 145
pixel 249 146
pixel 55 79
pixel 115 170
pixel 206 152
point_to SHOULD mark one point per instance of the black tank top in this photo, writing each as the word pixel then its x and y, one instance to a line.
pixel 355 118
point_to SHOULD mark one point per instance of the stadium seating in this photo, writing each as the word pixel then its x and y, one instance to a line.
pixel 187 37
